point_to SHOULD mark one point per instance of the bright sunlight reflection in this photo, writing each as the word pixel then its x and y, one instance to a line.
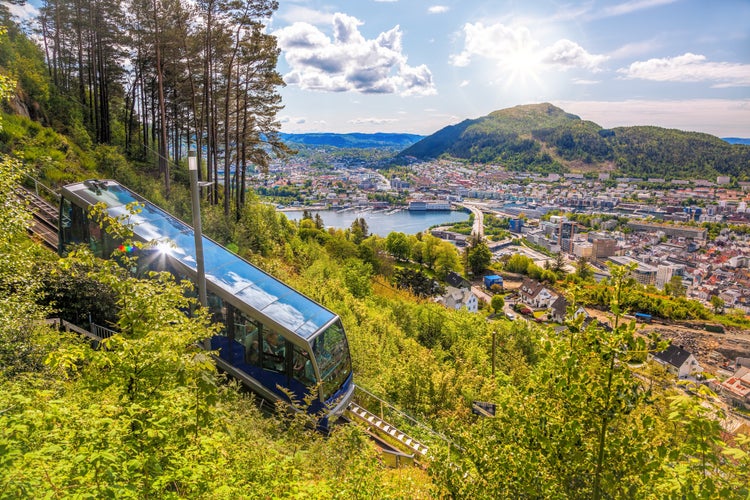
pixel 521 67
pixel 164 246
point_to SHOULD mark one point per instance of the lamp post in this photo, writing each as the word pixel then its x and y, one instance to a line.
pixel 494 334
pixel 490 319
pixel 197 230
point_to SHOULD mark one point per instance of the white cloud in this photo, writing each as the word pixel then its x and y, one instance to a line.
pixel 493 42
pixel 372 121
pixel 580 81
pixel 634 49
pixel 464 83
pixel 720 117
pixel 294 120
pixel 297 13
pixel 350 62
pixel 632 6
pixel 567 54
pixel 23 12
pixel 515 46
pixel 689 68
pixel 438 9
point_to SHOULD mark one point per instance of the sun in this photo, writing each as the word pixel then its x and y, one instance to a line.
pixel 521 67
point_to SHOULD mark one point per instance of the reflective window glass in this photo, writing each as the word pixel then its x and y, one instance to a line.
pixel 303 368
pixel 274 350
pixel 331 352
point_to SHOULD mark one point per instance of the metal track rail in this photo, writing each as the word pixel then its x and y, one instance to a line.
pixel 44 223
pixel 381 427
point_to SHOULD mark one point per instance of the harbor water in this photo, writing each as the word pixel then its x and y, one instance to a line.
pixel 383 222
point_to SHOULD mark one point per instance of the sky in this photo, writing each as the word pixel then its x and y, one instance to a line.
pixel 416 66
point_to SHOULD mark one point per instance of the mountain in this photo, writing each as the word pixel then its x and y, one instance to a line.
pixel 736 140
pixel 353 140
pixel 544 138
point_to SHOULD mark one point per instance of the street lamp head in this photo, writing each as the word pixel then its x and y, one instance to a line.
pixel 192 160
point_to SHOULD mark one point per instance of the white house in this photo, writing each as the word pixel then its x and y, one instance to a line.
pixel 456 298
pixel 678 361
pixel 535 294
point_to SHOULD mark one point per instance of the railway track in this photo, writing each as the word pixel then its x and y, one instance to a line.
pixel 44 222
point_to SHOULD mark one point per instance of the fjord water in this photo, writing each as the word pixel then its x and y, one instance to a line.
pixel 383 223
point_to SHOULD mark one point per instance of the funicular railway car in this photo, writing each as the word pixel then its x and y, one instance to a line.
pixel 272 336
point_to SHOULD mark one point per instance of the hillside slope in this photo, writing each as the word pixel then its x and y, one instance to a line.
pixel 544 138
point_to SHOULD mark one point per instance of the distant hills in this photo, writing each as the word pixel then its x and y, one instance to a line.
pixel 397 142
pixel 544 138
pixel 736 140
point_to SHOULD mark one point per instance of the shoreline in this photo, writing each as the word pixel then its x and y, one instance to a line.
pixel 315 208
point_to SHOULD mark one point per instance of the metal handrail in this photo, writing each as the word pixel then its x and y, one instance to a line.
pixel 44 187
pixel 102 331
pixel 408 417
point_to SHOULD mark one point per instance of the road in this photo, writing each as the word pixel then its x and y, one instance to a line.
pixel 478 229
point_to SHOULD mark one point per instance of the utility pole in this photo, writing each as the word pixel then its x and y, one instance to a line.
pixel 494 334
pixel 197 230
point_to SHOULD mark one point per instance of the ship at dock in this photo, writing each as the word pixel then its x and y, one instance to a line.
pixel 429 206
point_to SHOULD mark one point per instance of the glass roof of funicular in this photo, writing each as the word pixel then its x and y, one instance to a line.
pixel 259 290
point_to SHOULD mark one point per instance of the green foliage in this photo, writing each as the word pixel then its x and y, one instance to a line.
pixel 674 287
pixel 357 277
pixel 497 303
pixel 20 284
pixel 518 263
pixel 415 281
pixel 446 260
pixel 658 152
pixel 339 246
pixel 75 295
pixel 263 230
pixel 496 228
pixel 702 464
pixel 463 227
pixel 717 303
pixel 23 61
pixel 543 138
pixel 645 300
pixel 397 245
pixel 359 230
pixel 581 425
pixel 46 154
pixel 478 257
pixel 147 417
pixel 584 271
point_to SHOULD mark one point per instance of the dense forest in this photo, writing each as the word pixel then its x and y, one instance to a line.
pixel 544 138
pixel 148 415
pixel 155 79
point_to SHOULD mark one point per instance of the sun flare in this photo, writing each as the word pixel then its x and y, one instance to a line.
pixel 521 67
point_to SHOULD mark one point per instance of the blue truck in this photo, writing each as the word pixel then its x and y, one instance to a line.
pixel 646 318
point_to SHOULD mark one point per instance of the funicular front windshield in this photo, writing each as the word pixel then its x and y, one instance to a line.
pixel 331 353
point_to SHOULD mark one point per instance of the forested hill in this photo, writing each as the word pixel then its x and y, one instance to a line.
pixel 544 138
pixel 353 140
